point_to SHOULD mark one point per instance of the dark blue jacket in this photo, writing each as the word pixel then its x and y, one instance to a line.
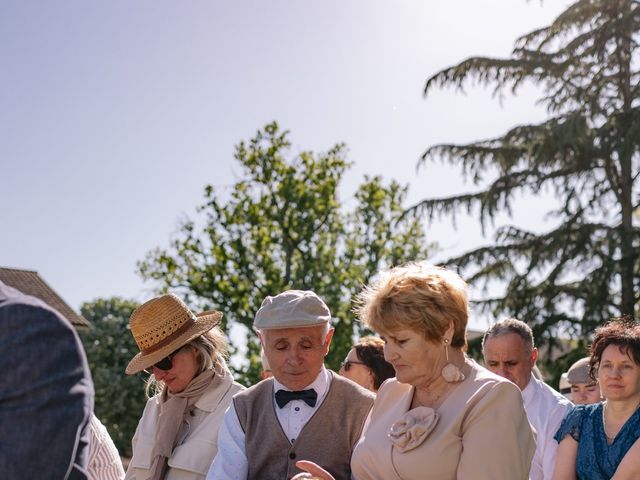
pixel 46 393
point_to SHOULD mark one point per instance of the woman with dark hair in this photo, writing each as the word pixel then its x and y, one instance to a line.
pixel 600 441
pixel 365 364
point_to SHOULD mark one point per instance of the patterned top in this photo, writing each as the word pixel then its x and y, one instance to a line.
pixel 104 460
pixel 597 460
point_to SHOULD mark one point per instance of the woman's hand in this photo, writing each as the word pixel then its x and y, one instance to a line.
pixel 314 471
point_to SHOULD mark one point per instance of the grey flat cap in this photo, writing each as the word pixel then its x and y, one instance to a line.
pixel 291 309
pixel 579 372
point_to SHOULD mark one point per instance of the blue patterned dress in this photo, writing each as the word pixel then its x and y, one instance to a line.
pixel 597 460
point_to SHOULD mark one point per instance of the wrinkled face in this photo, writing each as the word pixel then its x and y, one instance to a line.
pixel 296 355
pixel 357 371
pixel 584 394
pixel 508 355
pixel 618 374
pixel 184 367
pixel 417 361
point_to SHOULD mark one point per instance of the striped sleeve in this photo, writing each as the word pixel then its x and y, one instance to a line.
pixel 104 459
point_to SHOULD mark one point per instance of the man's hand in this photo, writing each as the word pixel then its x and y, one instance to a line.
pixel 315 472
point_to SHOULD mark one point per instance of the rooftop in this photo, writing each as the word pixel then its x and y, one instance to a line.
pixel 30 283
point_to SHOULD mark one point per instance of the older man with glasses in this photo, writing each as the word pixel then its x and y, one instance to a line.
pixel 284 418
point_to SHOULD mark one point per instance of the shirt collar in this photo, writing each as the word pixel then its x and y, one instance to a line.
pixel 530 390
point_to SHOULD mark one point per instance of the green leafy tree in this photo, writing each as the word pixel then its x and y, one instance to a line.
pixel 280 227
pixel 119 398
pixel 584 270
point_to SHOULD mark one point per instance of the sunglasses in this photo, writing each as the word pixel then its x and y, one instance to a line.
pixel 165 364
pixel 347 364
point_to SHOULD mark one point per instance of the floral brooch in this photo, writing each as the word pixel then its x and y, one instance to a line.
pixel 412 429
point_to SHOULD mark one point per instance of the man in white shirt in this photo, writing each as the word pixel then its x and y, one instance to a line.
pixel 509 351
pixel 293 414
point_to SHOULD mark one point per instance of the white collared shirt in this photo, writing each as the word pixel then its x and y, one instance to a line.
pixel 231 461
pixel 545 410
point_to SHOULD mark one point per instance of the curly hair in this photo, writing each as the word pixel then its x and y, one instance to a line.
pixel 420 297
pixel 621 331
pixel 370 351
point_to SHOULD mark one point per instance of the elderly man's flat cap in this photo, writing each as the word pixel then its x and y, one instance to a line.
pixel 292 309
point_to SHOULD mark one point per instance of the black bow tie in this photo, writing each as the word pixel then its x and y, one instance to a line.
pixel 308 396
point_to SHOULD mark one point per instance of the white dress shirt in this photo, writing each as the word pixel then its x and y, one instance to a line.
pixel 545 410
pixel 231 461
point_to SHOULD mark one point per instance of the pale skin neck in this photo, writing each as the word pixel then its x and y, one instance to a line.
pixel 431 393
pixel 621 410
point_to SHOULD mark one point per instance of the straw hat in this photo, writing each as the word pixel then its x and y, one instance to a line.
pixel 162 325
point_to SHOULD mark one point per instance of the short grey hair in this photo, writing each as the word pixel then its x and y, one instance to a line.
pixel 510 325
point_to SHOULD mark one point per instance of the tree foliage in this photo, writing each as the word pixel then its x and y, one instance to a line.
pixel 281 226
pixel 584 270
pixel 119 398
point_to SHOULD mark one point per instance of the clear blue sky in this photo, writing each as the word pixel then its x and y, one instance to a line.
pixel 115 114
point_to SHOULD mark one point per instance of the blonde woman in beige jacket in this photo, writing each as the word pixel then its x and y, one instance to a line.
pixel 176 438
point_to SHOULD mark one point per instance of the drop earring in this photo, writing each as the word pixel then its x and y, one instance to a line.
pixel 450 372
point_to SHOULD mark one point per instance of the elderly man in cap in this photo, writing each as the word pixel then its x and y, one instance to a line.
pixel 289 416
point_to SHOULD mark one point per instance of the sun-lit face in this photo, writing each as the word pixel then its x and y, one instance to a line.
pixel 296 355
pixel 618 374
pixel 508 355
pixel 416 361
pixel 357 371
pixel 584 394
pixel 184 368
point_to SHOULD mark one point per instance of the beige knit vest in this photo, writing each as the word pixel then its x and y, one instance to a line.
pixel 327 438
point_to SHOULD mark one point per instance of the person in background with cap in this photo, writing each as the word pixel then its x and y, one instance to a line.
pixel 303 411
pixel 584 389
pixel 185 355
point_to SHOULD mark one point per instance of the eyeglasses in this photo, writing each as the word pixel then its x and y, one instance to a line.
pixel 165 364
pixel 347 364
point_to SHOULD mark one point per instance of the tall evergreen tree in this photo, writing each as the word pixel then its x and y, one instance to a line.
pixel 585 269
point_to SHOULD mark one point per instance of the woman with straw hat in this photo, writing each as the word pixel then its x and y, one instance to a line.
pixel 176 438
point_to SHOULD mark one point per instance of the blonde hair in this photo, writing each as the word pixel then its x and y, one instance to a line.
pixel 212 348
pixel 420 297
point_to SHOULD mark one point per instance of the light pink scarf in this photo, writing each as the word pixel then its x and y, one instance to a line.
pixel 172 410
